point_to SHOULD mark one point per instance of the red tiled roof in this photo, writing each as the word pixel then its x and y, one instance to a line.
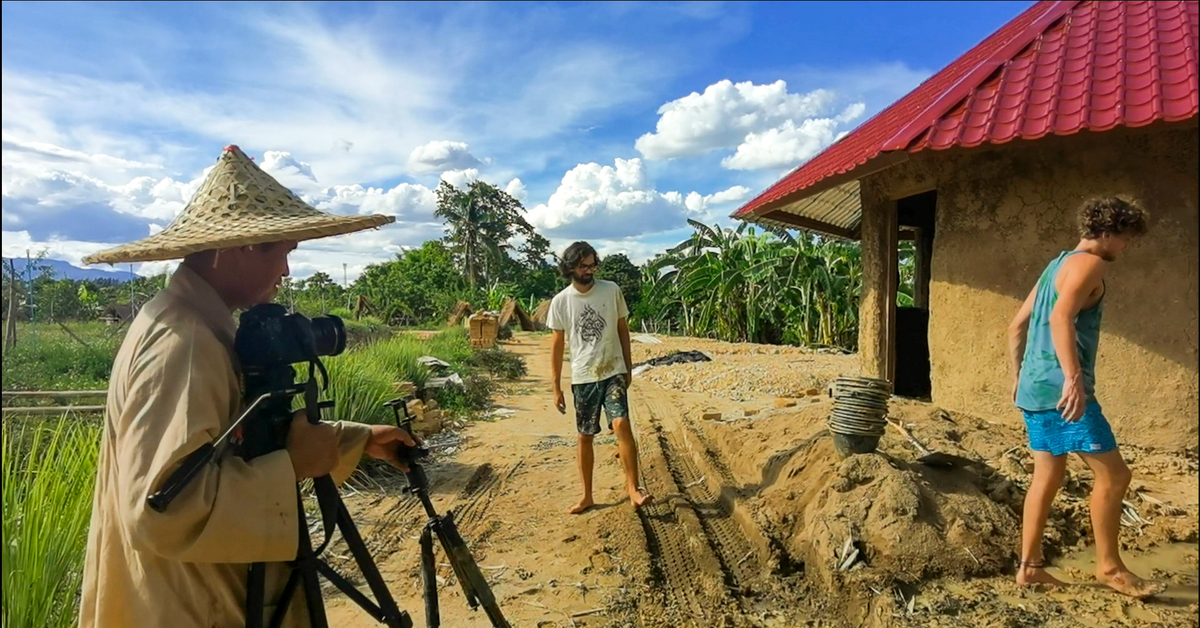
pixel 1058 68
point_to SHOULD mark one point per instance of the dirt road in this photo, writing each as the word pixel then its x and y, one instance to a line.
pixel 751 513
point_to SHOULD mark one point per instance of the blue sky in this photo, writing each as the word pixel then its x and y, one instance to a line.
pixel 612 122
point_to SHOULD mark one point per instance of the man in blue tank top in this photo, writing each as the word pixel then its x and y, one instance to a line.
pixel 1052 343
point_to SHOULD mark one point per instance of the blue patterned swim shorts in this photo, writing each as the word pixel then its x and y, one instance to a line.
pixel 1091 434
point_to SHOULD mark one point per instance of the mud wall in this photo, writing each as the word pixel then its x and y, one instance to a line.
pixel 1003 213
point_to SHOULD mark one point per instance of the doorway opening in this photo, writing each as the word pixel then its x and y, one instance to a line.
pixel 916 222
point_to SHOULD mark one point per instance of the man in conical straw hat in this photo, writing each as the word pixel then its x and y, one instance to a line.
pixel 174 388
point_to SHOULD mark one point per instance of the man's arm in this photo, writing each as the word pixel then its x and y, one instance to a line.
pixel 623 333
pixel 179 397
pixel 557 347
pixel 1018 332
pixel 1079 277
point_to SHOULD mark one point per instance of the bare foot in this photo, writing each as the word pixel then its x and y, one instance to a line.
pixel 583 506
pixel 640 497
pixel 1123 581
pixel 1029 576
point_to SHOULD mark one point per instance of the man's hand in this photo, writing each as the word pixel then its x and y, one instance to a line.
pixel 560 402
pixel 1015 388
pixel 312 447
pixel 385 442
pixel 1074 399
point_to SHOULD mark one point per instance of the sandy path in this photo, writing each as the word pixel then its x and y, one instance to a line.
pixel 509 484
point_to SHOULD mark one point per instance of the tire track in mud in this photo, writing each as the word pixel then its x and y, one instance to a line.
pixel 698 552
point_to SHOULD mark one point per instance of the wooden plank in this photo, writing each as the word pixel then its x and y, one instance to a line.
pixel 802 222
pixel 63 394
pixel 41 410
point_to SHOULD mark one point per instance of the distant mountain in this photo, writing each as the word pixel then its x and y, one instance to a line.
pixel 65 270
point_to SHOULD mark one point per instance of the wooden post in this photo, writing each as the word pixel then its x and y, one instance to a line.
pixel 922 273
pixel 877 307
pixel 10 327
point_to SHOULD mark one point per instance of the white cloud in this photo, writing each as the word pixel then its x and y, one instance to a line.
pixel 769 126
pixel 288 170
pixel 606 202
pixel 461 178
pixel 440 156
pixel 703 204
pixel 405 201
pixel 784 146
pixel 55 153
pixel 18 243
pixel 723 115
pixel 516 189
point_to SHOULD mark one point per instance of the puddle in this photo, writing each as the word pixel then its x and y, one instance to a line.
pixel 1173 563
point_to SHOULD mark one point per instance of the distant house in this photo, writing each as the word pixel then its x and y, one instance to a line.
pixel 118 313
pixel 983 166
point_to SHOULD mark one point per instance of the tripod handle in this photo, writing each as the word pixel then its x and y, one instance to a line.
pixel 410 456
pixel 196 460
pixel 178 480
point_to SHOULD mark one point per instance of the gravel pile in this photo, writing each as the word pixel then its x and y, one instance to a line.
pixel 743 372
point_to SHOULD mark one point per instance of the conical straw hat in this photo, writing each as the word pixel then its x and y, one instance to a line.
pixel 237 205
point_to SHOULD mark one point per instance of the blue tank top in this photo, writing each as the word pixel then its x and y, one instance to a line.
pixel 1041 380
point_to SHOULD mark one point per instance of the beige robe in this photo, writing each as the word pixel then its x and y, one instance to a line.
pixel 173 388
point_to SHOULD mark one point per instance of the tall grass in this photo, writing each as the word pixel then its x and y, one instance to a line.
pixel 49 474
pixel 363 378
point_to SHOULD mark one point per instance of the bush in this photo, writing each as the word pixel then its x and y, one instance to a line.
pixel 475 395
pixel 499 363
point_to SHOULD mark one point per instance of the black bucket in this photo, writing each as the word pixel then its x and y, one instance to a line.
pixel 859 416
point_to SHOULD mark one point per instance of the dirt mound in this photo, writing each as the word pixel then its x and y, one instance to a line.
pixel 879 519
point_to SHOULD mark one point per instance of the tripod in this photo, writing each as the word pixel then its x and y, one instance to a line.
pixel 308 565
pixel 466 571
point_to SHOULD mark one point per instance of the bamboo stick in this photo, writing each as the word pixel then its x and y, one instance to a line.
pixel 65 394
pixel 52 410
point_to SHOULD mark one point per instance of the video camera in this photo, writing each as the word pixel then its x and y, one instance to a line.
pixel 269 341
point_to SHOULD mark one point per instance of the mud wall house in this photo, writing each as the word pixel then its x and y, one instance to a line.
pixel 984 165
pixel 118 312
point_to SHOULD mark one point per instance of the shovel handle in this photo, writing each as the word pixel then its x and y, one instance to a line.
pixel 915 443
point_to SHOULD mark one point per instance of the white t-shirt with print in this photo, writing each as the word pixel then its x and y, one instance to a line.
pixel 589 321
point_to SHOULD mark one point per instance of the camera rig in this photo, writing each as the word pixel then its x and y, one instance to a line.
pixel 268 342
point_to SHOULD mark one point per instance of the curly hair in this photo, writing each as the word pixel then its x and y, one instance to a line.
pixel 1113 215
pixel 572 257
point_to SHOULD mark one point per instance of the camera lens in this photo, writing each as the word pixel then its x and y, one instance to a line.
pixel 329 335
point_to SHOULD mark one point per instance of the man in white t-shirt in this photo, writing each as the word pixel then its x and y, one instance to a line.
pixel 592 315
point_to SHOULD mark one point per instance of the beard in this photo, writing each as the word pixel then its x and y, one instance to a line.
pixel 585 280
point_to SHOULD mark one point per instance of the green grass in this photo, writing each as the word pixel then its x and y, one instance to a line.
pixel 49 474
pixel 47 358
pixel 49 465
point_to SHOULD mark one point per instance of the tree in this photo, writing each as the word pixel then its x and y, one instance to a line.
pixel 417 287
pixel 480 223
pixel 619 270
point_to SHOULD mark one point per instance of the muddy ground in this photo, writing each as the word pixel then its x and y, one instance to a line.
pixel 757 521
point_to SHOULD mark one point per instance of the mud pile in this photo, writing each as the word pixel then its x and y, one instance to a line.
pixel 885 519
pixel 878 519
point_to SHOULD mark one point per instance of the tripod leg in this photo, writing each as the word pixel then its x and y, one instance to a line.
pixel 429 578
pixel 369 571
pixel 474 585
pixel 308 572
